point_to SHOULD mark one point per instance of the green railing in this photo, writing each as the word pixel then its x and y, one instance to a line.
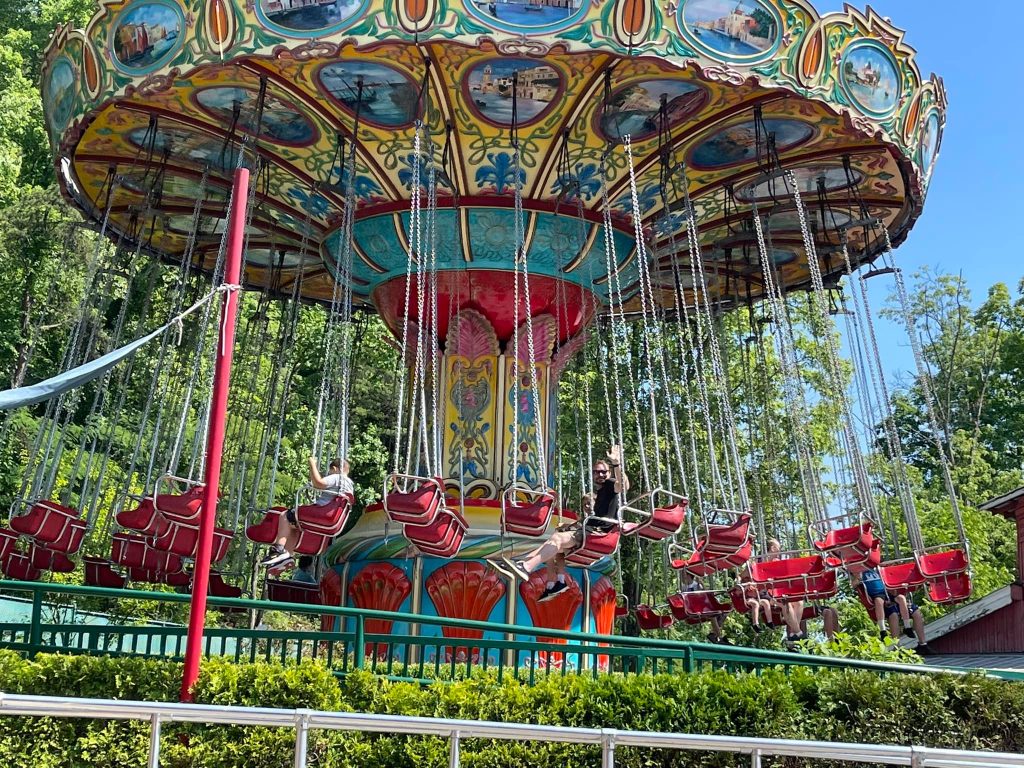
pixel 429 647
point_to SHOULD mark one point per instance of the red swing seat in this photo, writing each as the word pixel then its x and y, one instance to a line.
pixel 293 592
pixel 220 588
pixel 942 562
pixel 325 519
pixel 416 500
pixel 51 523
pixel 265 531
pixel 183 540
pixel 43 559
pixel 621 606
pixel 704 561
pixel 525 511
pixel 8 539
pixel 648 618
pixel 183 507
pixel 873 560
pixel 728 537
pixel 952 588
pixel 795 578
pixel 144 518
pixel 738 598
pixel 99 573
pixel 657 522
pixel 596 545
pixel 150 576
pixel 135 551
pixel 852 545
pixel 442 537
pixel 902 577
pixel 697 607
pixel 18 566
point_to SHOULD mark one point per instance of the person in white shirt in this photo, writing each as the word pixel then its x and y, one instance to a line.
pixel 331 485
pixel 336 481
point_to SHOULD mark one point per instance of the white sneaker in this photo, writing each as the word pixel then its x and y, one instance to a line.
pixel 276 559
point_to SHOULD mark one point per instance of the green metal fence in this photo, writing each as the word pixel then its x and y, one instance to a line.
pixel 433 647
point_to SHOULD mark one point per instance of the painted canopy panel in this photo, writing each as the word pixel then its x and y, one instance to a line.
pixel 147 107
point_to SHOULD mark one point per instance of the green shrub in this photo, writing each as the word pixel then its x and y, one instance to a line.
pixel 950 711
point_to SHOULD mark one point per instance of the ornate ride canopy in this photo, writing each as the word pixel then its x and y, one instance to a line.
pixel 162 92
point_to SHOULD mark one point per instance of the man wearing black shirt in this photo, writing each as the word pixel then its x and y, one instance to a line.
pixel 600 515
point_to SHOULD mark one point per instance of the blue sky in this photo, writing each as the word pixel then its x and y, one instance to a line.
pixel 972 207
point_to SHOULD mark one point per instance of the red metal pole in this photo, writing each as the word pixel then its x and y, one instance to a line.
pixel 215 434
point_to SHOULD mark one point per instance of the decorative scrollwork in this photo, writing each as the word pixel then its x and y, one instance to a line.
pixel 314 49
pixel 723 74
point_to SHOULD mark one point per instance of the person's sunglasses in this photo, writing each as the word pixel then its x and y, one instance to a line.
pixel 600 471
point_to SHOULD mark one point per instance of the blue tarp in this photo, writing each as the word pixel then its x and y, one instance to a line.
pixel 76 377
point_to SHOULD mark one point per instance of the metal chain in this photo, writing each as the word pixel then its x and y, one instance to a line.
pixel 854 457
pixel 924 376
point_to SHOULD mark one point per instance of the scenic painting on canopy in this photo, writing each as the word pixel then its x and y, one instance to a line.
pixel 634 110
pixel 739 143
pixel 61 91
pixel 493 83
pixel 378 93
pixel 309 15
pixel 528 13
pixel 870 78
pixel 278 120
pixel 735 28
pixel 146 35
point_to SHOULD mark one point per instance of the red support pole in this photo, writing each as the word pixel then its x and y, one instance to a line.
pixel 215 433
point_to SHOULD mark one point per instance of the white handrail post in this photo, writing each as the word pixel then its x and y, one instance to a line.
pixel 608 749
pixel 301 738
pixel 453 750
pixel 755 759
pixel 154 742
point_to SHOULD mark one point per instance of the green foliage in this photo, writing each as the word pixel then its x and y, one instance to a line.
pixel 966 712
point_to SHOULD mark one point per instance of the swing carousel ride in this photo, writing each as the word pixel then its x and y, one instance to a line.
pixel 516 188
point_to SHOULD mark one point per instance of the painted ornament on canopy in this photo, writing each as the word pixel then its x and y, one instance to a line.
pixel 60 89
pixel 146 35
pixel 279 120
pixel 739 143
pixel 634 109
pixel 930 144
pixel 870 78
pixel 379 93
pixel 531 14
pixel 736 29
pixel 308 16
pixel 491 85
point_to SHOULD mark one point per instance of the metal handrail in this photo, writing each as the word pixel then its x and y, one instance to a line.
pixel 726 654
pixel 304 720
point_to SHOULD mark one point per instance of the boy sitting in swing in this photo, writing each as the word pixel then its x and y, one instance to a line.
pixel 600 514
pixel 331 485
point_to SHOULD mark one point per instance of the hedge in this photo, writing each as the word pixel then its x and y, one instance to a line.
pixel 944 711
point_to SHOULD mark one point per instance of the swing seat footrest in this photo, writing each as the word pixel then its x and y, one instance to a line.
pixel 18 566
pixel 100 573
pixel 144 519
pixel 44 559
pixel 697 606
pixel 954 588
pixel 279 591
pixel 265 531
pixel 647 618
